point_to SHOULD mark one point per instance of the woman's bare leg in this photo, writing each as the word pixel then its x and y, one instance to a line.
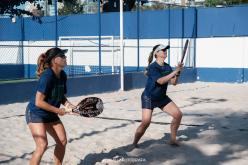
pixel 146 120
pixel 175 112
pixel 57 131
pixel 38 132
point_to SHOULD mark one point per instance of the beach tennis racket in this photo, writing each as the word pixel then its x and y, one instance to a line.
pixel 184 50
pixel 88 107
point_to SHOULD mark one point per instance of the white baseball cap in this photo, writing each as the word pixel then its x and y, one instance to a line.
pixel 161 47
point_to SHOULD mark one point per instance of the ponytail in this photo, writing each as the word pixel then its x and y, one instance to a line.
pixel 150 58
pixel 41 64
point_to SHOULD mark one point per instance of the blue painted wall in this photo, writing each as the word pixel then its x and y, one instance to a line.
pixel 10 31
pixel 11 71
pixel 199 22
pixel 245 74
pixel 222 22
pixel 23 91
pixel 16 92
pixel 134 80
pixel 188 75
pixel 29 70
pixel 238 75
pixel 35 31
pixel 93 84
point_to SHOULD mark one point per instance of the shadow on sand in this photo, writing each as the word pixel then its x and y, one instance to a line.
pixel 220 137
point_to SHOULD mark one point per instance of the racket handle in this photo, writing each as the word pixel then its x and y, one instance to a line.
pixel 68 110
pixel 69 107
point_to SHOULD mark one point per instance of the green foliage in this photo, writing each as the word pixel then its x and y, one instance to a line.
pixel 71 7
pixel 9 7
pixel 155 6
pixel 150 6
pixel 208 3
pixel 213 3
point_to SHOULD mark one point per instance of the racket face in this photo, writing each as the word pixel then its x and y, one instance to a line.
pixel 90 107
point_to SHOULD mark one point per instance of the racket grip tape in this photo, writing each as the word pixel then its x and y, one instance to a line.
pixel 68 110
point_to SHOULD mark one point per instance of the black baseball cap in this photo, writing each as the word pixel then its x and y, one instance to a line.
pixel 55 52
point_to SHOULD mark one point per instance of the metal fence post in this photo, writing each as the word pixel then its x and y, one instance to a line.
pixel 56 23
pixel 99 36
pixel 138 35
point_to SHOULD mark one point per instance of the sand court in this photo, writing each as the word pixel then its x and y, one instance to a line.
pixel 214 129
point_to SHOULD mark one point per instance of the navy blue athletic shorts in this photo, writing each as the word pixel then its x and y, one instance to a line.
pixel 147 103
pixel 35 118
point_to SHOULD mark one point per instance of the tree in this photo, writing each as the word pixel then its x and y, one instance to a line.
pixel 10 7
pixel 213 3
pixel 114 5
pixel 71 7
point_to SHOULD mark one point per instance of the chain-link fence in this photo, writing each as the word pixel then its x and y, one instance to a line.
pixel 82 30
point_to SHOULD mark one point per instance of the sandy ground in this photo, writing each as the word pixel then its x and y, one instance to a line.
pixel 214 130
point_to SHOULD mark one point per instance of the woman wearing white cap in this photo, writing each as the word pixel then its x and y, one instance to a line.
pixel 159 75
pixel 44 107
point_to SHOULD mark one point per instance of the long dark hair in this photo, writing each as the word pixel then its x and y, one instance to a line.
pixel 41 64
pixel 44 60
pixel 150 58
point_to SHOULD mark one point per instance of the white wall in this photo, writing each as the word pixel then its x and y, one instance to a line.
pixel 35 48
pixel 228 52
pixel 9 54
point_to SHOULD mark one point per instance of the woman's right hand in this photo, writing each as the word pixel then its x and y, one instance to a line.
pixel 61 111
pixel 69 106
pixel 179 67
